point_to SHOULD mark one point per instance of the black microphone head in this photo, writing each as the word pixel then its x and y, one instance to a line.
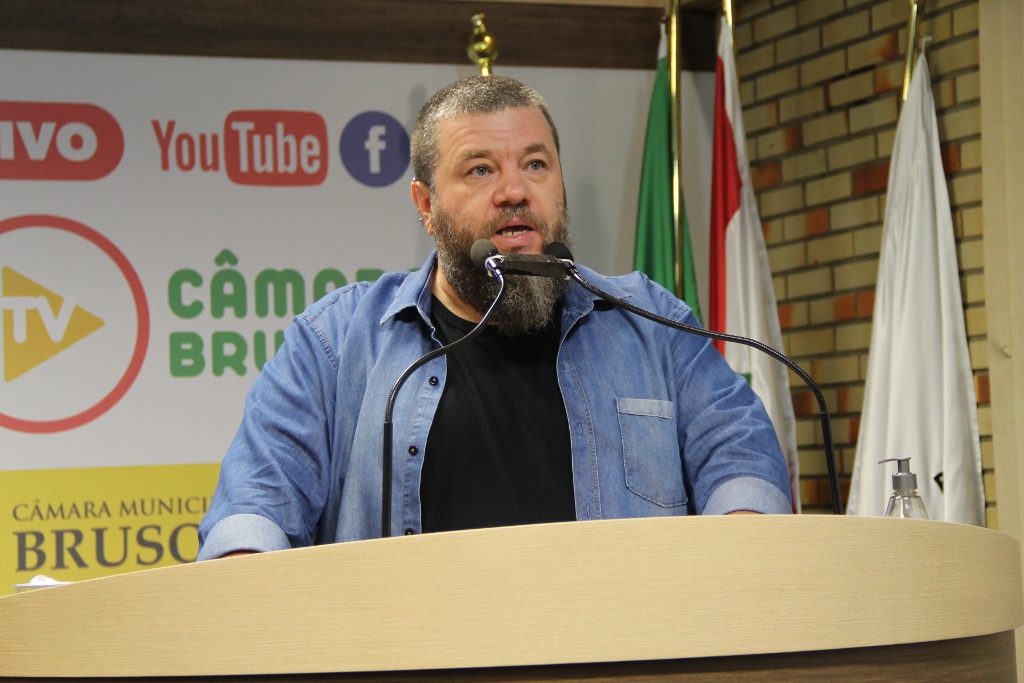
pixel 558 251
pixel 481 251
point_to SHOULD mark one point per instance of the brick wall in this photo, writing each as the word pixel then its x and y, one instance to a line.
pixel 820 82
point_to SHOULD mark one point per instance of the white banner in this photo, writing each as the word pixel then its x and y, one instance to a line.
pixel 174 213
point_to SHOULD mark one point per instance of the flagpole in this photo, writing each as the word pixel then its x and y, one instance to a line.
pixel 911 39
pixel 677 136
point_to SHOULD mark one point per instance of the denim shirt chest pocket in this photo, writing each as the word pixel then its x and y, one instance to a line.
pixel 650 450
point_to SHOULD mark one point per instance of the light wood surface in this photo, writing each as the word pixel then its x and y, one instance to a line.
pixel 617 590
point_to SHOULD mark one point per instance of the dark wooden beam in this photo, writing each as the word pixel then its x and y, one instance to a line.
pixel 412 31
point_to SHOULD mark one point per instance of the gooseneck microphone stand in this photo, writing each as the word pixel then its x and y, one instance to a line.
pixel 826 425
pixel 385 512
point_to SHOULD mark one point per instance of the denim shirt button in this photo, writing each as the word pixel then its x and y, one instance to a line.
pixel 409 532
pixel 413 450
pixel 433 381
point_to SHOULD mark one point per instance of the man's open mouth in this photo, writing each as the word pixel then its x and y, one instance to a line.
pixel 513 230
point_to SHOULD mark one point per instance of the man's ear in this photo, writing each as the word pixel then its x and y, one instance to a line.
pixel 424 202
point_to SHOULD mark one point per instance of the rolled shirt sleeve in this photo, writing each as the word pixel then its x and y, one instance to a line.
pixel 243 532
pixel 748 493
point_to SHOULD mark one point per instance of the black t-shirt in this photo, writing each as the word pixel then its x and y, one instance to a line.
pixel 498 452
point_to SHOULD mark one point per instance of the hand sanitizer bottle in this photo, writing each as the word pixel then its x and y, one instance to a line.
pixel 905 501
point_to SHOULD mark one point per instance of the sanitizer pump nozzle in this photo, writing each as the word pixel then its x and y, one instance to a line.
pixel 905 501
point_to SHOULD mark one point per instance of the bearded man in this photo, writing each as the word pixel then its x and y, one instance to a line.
pixel 563 409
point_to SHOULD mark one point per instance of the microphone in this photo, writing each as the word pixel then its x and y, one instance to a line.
pixel 561 252
pixel 481 251
pixel 485 255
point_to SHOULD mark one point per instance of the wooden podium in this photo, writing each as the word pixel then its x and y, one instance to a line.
pixel 741 598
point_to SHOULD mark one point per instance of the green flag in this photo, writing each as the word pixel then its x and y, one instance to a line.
pixel 656 250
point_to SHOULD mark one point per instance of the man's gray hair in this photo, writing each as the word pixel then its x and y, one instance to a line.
pixel 473 95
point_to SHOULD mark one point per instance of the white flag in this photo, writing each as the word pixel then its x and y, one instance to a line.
pixel 919 398
pixel 741 297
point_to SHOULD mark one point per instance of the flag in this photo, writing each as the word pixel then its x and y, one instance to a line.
pixel 655 253
pixel 919 397
pixel 741 298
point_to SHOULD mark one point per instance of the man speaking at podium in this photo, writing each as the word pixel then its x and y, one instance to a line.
pixel 565 408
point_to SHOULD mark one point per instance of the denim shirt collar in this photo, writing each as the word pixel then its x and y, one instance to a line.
pixel 579 302
pixel 415 292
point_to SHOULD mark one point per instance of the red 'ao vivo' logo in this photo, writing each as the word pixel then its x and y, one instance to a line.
pixel 58 141
pixel 267 147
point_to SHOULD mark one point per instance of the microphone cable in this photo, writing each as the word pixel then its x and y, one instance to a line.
pixel 385 513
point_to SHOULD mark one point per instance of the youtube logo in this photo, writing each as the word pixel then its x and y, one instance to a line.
pixel 267 147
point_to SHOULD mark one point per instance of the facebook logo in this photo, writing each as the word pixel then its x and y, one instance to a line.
pixel 375 149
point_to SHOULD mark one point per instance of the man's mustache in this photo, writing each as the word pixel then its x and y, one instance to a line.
pixel 520 212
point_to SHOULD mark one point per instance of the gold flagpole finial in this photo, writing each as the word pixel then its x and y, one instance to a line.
pixel 482 49
pixel 908 69
pixel 727 10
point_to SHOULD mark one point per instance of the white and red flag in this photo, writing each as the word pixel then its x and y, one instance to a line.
pixel 740 294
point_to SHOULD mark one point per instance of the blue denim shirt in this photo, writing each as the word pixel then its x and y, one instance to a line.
pixel 659 423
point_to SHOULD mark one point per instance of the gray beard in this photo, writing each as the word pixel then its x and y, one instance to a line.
pixel 529 301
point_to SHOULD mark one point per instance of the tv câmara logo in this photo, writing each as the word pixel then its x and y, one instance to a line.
pixel 75 324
